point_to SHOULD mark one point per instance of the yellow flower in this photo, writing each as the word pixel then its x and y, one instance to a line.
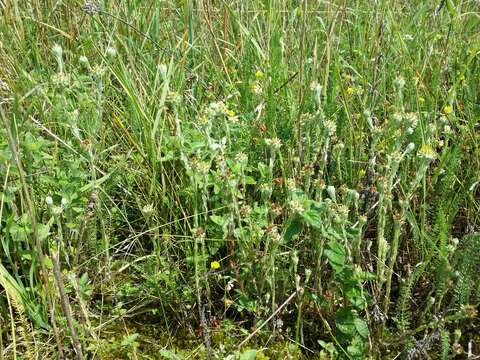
pixel 230 113
pixel 427 152
pixel 259 74
pixel 447 109
pixel 215 265
pixel 350 90
pixel 421 99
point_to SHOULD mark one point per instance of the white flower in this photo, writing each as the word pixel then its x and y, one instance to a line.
pixel 409 147
pixel 275 142
pixel 330 126
pixel 111 52
pixel 412 119
pixel 162 69
pixel 83 60
pixel 57 51
pixel 296 206
pixel 256 88
pixel 4 86
pixel 203 167
pixel 241 158
pixel 331 192
pixel 290 182
pixel 399 83
pixel 397 117
pixel 216 109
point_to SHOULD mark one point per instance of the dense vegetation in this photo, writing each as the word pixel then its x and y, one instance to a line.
pixel 239 179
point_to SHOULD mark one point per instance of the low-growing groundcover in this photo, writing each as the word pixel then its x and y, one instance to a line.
pixel 261 179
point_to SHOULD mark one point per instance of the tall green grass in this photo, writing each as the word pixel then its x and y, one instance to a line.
pixel 205 179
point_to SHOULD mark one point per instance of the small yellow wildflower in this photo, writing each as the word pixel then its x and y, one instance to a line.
pixel 350 90
pixel 230 113
pixel 427 152
pixel 259 74
pixel 447 109
pixel 421 100
pixel 203 119
pixel 215 265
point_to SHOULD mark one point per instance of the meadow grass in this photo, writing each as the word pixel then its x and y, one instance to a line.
pixel 253 180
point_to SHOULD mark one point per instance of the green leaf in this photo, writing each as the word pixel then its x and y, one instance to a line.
pixel 344 319
pixel 219 220
pixel 94 184
pixel 362 327
pixel 44 229
pixel 249 354
pixel 129 339
pixel 293 229
pixel 336 254
pixel 168 355
pixel 451 8
pixel 48 263
pixel 312 218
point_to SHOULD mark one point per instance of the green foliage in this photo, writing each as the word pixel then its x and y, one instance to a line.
pixel 303 172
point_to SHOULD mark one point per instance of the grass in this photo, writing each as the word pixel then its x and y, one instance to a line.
pixel 257 179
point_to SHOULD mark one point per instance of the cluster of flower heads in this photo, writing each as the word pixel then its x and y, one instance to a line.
pixel 91 7
pixel 274 142
pixel 4 88
pixel 216 109
pixel 200 166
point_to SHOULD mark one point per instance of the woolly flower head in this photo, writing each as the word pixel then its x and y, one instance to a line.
pixel 162 69
pixel 274 142
pixel 290 183
pixel 296 206
pixel 4 87
pixel 91 7
pixel 83 60
pixel 399 83
pixel 447 130
pixel 174 97
pixel 397 117
pixel 316 87
pixel 330 126
pixel 410 147
pixel 57 51
pixel 412 119
pixel 215 109
pixel 111 52
pixel 241 158
pixel 256 88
